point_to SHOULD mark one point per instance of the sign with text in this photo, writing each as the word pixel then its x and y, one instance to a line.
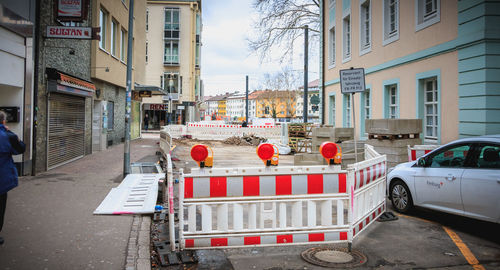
pixel 156 106
pixel 70 8
pixel 69 32
pixel 352 80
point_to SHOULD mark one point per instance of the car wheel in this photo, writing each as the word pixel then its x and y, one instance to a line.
pixel 401 197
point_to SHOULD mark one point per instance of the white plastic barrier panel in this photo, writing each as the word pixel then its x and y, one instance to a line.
pixel 238 207
pixel 368 189
pixel 419 150
pixel 165 142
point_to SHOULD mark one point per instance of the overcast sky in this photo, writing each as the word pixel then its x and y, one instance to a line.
pixel 226 58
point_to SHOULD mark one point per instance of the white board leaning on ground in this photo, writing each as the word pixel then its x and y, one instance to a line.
pixel 352 80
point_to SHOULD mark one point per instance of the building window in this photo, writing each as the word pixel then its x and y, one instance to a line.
pixel 110 106
pixel 390 21
pixel 114 32
pixel 347 110
pixel 431 110
pixel 366 110
pixel 171 56
pixel 171 83
pixel 392 101
pixel 427 13
pixel 332 48
pixel 172 23
pixel 103 22
pixel 147 52
pixel 365 27
pixel 147 19
pixel 123 38
pixel 347 38
pixel 332 110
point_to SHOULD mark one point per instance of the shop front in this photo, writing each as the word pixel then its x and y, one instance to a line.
pixel 158 114
pixel 67 116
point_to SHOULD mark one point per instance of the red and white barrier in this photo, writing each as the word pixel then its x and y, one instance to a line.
pixel 273 206
pixel 419 150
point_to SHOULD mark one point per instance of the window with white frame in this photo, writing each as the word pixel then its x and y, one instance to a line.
pixel 103 22
pixel 347 110
pixel 347 38
pixel 390 21
pixel 427 13
pixel 332 106
pixel 172 23
pixel 392 91
pixel 431 123
pixel 171 55
pixel 123 38
pixel 114 32
pixel 331 54
pixel 367 104
pixel 147 44
pixel 147 19
pixel 365 27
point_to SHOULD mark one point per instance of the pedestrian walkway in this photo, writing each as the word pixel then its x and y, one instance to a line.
pixel 49 222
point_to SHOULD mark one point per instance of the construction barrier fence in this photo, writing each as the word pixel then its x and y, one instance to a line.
pixel 416 151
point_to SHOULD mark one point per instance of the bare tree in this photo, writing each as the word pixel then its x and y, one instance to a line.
pixel 280 24
pixel 286 79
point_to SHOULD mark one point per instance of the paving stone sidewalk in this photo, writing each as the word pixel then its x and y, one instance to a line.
pixel 49 222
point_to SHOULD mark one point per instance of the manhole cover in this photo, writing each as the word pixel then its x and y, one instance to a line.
pixel 334 257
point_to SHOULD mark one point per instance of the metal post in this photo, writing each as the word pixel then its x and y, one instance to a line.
pixel 128 95
pixel 354 128
pixel 246 101
pixel 306 60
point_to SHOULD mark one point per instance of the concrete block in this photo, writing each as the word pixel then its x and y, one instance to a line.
pixel 328 132
pixel 344 134
pixel 308 159
pixel 394 143
pixel 393 126
pixel 350 159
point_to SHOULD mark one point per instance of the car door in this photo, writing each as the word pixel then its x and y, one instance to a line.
pixel 437 184
pixel 481 184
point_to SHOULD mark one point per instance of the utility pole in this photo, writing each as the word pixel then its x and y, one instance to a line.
pixel 246 101
pixel 306 60
pixel 128 95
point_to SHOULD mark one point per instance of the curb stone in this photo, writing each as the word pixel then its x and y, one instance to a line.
pixel 138 244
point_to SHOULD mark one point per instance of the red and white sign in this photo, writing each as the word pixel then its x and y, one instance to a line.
pixel 69 32
pixel 69 8
pixel 156 107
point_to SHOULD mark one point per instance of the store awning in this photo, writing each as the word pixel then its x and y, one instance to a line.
pixel 155 90
pixel 68 84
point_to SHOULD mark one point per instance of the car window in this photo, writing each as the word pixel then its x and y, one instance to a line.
pixel 489 157
pixel 453 157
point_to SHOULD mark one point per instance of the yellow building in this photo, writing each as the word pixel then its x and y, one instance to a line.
pixel 173 46
pixel 109 68
pixel 222 107
pixel 276 104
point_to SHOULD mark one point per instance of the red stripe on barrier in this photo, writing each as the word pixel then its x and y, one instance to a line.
pixel 379 211
pixel 373 215
pixel 252 240
pixel 367 220
pixel 374 173
pixel 314 184
pixel 218 242
pixel 316 237
pixel 413 155
pixel 343 235
pixel 361 178
pixel 188 187
pixel 342 183
pixel 360 226
pixel 283 239
pixel 379 169
pixel 218 187
pixel 189 243
pixel 283 185
pixel 251 186
pixel 426 151
pixel 368 173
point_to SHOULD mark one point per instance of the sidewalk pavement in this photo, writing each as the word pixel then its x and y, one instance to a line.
pixel 49 222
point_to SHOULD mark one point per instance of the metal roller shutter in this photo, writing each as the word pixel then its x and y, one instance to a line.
pixel 66 132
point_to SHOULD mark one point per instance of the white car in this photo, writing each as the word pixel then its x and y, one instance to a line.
pixel 462 177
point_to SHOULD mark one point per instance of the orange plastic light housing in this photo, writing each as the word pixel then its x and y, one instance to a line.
pixel 265 151
pixel 328 150
pixel 199 152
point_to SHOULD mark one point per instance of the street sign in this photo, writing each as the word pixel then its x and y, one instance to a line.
pixel 352 80
pixel 69 32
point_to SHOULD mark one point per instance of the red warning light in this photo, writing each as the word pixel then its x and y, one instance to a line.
pixel 328 150
pixel 265 151
pixel 199 152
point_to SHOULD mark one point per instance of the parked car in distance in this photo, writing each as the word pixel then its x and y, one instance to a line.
pixel 461 177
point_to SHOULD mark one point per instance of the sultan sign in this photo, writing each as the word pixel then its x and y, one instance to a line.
pixel 352 80
pixel 69 32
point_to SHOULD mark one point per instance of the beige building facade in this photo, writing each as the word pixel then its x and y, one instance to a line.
pixel 417 62
pixel 109 69
pixel 173 44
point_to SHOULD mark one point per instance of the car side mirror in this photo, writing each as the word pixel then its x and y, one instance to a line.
pixel 421 162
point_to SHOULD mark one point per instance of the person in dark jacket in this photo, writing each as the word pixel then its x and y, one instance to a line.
pixel 9 145
pixel 146 122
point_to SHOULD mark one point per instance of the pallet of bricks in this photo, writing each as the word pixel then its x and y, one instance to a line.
pixel 391 137
pixel 299 137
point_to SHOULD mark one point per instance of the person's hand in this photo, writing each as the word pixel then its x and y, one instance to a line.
pixel 6 127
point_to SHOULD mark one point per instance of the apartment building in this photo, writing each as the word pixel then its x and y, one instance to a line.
pixel 109 69
pixel 313 102
pixel 173 56
pixel 280 105
pixel 427 59
pixel 236 107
